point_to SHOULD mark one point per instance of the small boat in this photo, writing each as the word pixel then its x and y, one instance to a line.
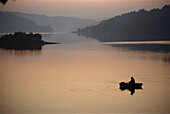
pixel 124 85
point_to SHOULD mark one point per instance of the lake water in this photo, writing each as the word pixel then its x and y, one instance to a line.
pixel 82 75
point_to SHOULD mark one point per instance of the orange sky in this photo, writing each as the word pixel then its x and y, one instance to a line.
pixel 81 8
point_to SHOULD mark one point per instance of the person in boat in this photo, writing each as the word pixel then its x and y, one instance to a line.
pixel 132 81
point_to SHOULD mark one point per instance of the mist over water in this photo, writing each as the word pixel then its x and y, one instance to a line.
pixel 82 75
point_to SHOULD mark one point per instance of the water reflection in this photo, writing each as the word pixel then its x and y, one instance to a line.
pixel 20 53
pixel 155 52
pixel 81 76
pixel 20 48
pixel 164 48
pixel 132 89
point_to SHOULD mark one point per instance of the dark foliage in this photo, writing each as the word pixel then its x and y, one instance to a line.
pixel 138 26
pixel 3 1
pixel 22 41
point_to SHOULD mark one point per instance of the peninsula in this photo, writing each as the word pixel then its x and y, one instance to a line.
pixel 142 25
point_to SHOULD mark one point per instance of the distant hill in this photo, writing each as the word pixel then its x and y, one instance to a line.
pixel 58 23
pixel 12 23
pixel 133 26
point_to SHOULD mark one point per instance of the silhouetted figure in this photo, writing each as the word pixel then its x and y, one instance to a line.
pixel 132 81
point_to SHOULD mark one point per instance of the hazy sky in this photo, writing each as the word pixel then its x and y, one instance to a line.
pixel 81 8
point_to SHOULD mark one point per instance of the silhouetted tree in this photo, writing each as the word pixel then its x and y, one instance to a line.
pixel 4 1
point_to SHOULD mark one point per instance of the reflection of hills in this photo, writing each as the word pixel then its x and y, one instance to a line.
pixel 144 47
pixel 146 51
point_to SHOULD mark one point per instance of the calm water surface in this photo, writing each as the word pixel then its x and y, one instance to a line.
pixel 82 75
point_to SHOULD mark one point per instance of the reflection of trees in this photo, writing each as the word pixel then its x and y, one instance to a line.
pixel 27 53
pixel 20 53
